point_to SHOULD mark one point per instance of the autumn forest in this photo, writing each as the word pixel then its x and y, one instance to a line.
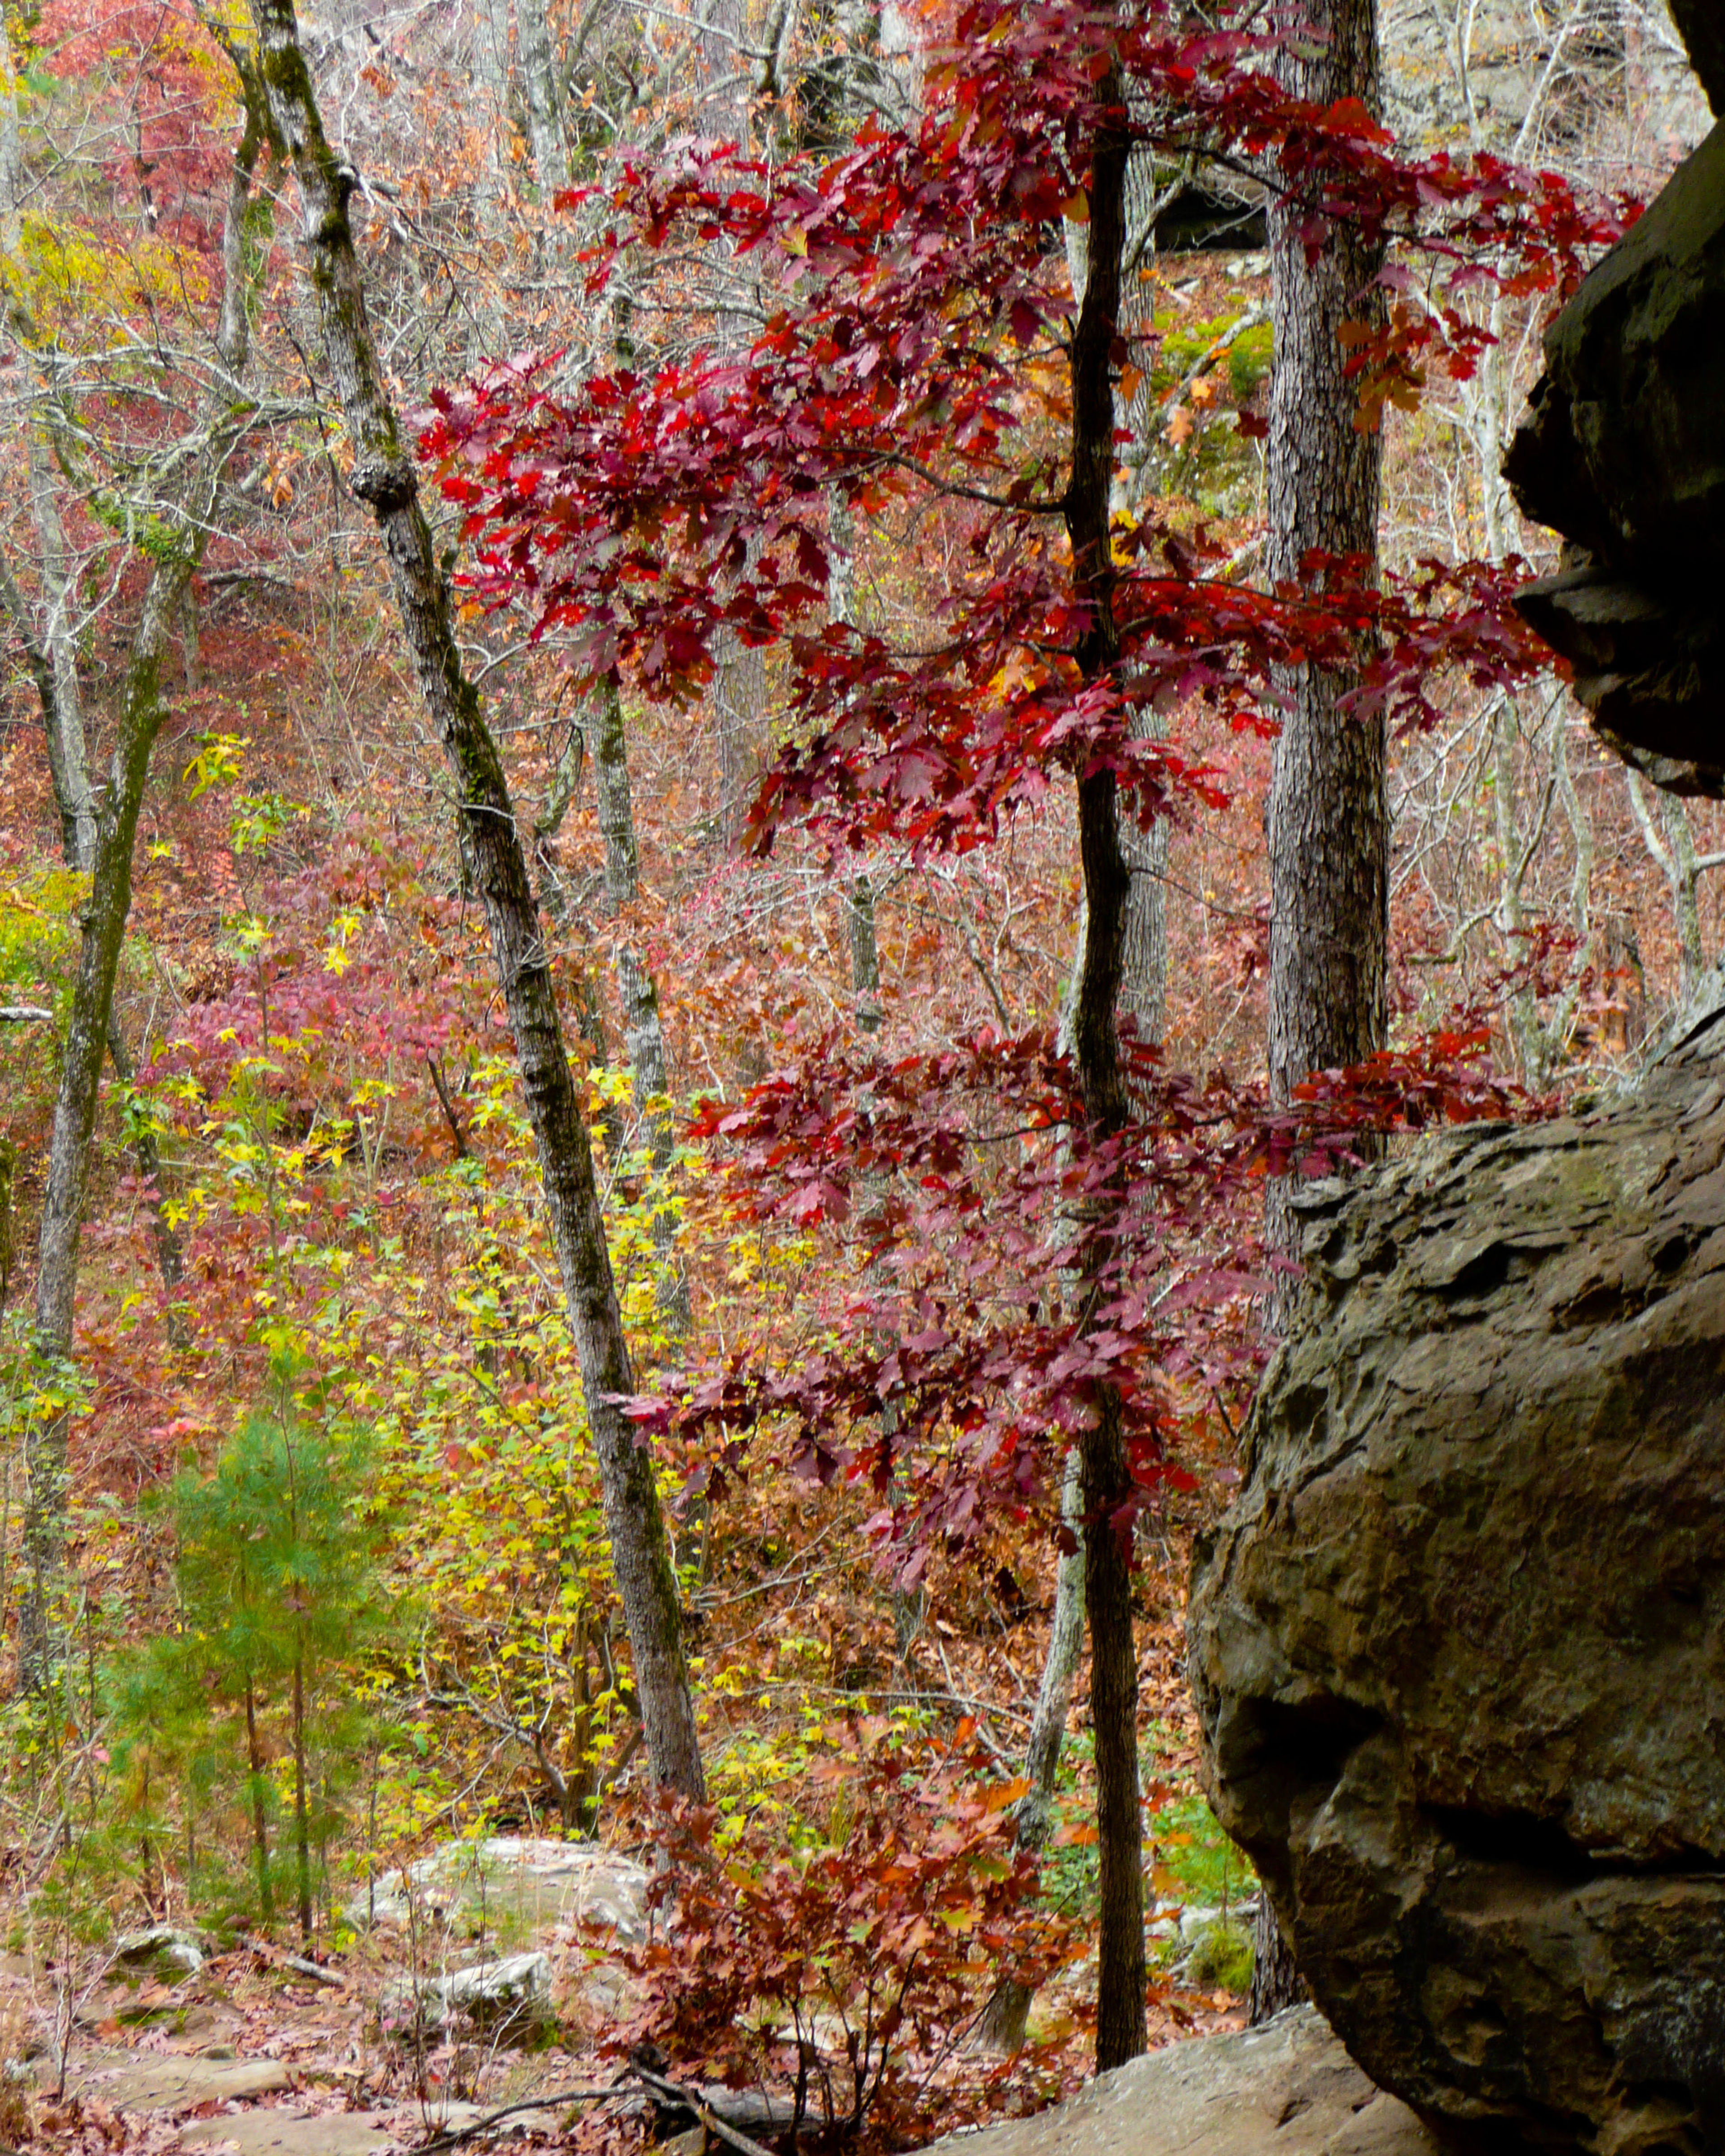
pixel 738 736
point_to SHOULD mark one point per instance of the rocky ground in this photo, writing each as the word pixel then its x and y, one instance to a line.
pixel 479 1980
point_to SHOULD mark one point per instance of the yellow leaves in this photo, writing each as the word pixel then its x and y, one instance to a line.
pixel 336 958
pixel 216 762
pixel 80 282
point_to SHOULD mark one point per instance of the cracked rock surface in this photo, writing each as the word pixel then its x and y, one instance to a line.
pixel 1458 1647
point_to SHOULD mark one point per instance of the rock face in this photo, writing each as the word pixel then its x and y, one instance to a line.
pixel 1287 2089
pixel 1458 1647
pixel 1622 451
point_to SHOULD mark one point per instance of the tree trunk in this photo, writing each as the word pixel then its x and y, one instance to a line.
pixel 1003 2025
pixel 52 654
pixel 62 712
pixel 302 1820
pixel 643 1025
pixel 545 121
pixel 260 1827
pixel 739 690
pixel 103 925
pixel 86 1044
pixel 384 477
pixel 1328 814
pixel 859 898
pixel 75 804
pixel 1105 1473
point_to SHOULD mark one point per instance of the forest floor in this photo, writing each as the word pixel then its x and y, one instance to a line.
pixel 251 2052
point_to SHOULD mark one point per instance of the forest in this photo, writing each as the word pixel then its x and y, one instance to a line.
pixel 759 755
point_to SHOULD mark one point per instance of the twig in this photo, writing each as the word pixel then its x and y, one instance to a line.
pixel 25 1015
pixel 528 2103
pixel 669 2091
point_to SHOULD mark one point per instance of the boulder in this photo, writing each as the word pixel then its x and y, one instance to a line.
pixel 510 1997
pixel 1622 451
pixel 1285 2089
pixel 511 1885
pixel 171 1952
pixel 1458 1647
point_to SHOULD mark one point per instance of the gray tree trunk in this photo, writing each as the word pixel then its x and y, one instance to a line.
pixel 88 1032
pixel 384 477
pixel 51 648
pixel 859 899
pixel 1328 814
pixel 545 117
pixel 739 690
pixel 490 68
pixel 643 1024
pixel 62 712
pixel 1004 2019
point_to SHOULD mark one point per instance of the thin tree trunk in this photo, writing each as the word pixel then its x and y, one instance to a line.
pixel 302 1823
pixel 62 712
pixel 545 123
pixel 1328 815
pixel 859 898
pixel 1680 865
pixel 1005 2020
pixel 643 1024
pixel 74 800
pixel 88 1031
pixel 1105 1473
pixel 739 690
pixel 491 67
pixel 52 652
pixel 260 1826
pixel 384 477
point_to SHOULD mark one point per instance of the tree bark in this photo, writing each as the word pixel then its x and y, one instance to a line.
pixel 642 1023
pixel 63 710
pixel 1328 813
pixel 88 1028
pixel 739 690
pixel 859 898
pixel 51 652
pixel 1005 2017
pixel 544 119
pixel 384 479
pixel 1105 1472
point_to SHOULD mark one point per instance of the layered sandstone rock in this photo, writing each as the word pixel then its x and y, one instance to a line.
pixel 1459 1646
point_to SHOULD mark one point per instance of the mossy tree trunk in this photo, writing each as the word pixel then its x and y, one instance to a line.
pixel 384 479
pixel 89 1031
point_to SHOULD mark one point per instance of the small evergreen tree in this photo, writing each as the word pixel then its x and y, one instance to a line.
pixel 279 1591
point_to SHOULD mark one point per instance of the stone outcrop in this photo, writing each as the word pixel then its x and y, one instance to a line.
pixel 1623 452
pixel 1287 2089
pixel 1458 1647
pixel 509 1997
